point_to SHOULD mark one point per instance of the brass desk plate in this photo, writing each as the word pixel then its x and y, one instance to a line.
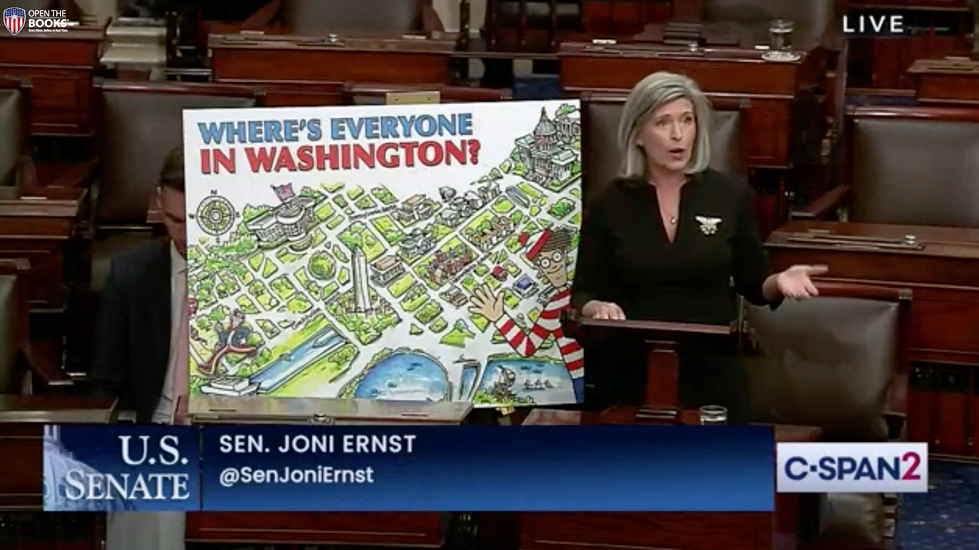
pixel 413 98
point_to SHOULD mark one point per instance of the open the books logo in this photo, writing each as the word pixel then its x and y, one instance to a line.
pixel 15 19
pixel 18 19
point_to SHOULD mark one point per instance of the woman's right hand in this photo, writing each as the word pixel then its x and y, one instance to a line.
pixel 597 309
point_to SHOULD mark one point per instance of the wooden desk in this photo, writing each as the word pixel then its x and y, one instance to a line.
pixel 22 419
pixel 37 227
pixel 649 531
pixel 61 67
pixel 301 71
pixel 941 267
pixel 772 89
pixel 946 80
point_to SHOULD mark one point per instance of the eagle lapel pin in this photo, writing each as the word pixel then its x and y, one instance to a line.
pixel 708 226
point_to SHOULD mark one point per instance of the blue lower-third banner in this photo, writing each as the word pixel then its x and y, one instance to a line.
pixel 410 469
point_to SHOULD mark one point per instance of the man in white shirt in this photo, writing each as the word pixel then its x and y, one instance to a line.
pixel 142 347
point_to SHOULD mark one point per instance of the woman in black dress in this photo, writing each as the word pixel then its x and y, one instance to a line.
pixel 674 240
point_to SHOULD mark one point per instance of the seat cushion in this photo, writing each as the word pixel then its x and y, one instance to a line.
pixel 316 17
pixel 854 519
pixel 915 172
pixel 11 134
pixel 826 362
pixel 139 128
pixel 8 333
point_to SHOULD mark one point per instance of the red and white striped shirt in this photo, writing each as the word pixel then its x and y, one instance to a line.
pixel 548 323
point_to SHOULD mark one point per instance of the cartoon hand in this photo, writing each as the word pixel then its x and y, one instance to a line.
pixel 486 304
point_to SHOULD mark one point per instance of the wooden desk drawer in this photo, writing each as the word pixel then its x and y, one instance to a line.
pixel 420 530
pixel 21 466
pixel 642 531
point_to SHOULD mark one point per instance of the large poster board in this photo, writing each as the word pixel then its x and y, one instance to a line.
pixel 391 252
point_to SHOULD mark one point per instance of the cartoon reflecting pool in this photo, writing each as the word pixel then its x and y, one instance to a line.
pixel 409 376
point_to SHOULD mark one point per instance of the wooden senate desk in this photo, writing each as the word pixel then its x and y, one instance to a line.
pixel 61 67
pixel 37 226
pixel 772 90
pixel 659 530
pixel 946 80
pixel 417 530
pixel 22 419
pixel 941 267
pixel 301 70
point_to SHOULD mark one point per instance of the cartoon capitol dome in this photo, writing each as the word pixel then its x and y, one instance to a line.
pixel 546 131
pixel 58 461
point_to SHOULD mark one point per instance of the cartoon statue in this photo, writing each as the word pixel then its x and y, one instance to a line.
pixel 234 339
pixel 548 251
pixel 503 386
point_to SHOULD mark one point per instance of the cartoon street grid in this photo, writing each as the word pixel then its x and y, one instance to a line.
pixel 337 291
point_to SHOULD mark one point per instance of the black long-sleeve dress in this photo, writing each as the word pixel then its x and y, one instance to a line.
pixel 626 257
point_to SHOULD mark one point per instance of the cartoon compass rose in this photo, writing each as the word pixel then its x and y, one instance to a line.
pixel 215 215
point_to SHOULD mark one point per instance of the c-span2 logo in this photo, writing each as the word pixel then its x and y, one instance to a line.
pixel 852 467
pixel 15 19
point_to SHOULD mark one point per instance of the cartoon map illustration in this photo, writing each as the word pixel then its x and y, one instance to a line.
pixel 319 285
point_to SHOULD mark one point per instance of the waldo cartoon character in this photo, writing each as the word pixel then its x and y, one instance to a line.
pixel 548 251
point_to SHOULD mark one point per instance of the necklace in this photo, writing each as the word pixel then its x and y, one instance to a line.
pixel 672 217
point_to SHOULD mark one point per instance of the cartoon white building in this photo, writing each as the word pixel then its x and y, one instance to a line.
pixel 290 221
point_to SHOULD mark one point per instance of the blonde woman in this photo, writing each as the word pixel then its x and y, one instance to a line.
pixel 674 240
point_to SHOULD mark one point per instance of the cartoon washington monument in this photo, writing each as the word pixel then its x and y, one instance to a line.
pixel 361 293
pixel 548 252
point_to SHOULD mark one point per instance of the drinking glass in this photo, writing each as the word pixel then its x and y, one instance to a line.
pixel 780 34
pixel 713 415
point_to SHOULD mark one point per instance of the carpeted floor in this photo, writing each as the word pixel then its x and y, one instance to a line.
pixel 947 517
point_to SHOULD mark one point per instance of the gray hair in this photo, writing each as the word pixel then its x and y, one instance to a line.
pixel 653 92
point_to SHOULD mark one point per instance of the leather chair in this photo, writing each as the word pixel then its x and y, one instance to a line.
pixel 836 362
pixel 140 124
pixel 600 140
pixel 318 18
pixel 907 166
pixel 15 165
pixel 532 24
pixel 815 20
pixel 19 366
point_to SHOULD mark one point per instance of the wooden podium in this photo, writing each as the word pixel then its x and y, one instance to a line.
pixel 418 530
pixel 662 340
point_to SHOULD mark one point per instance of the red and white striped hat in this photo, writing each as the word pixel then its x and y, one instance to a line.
pixel 534 243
